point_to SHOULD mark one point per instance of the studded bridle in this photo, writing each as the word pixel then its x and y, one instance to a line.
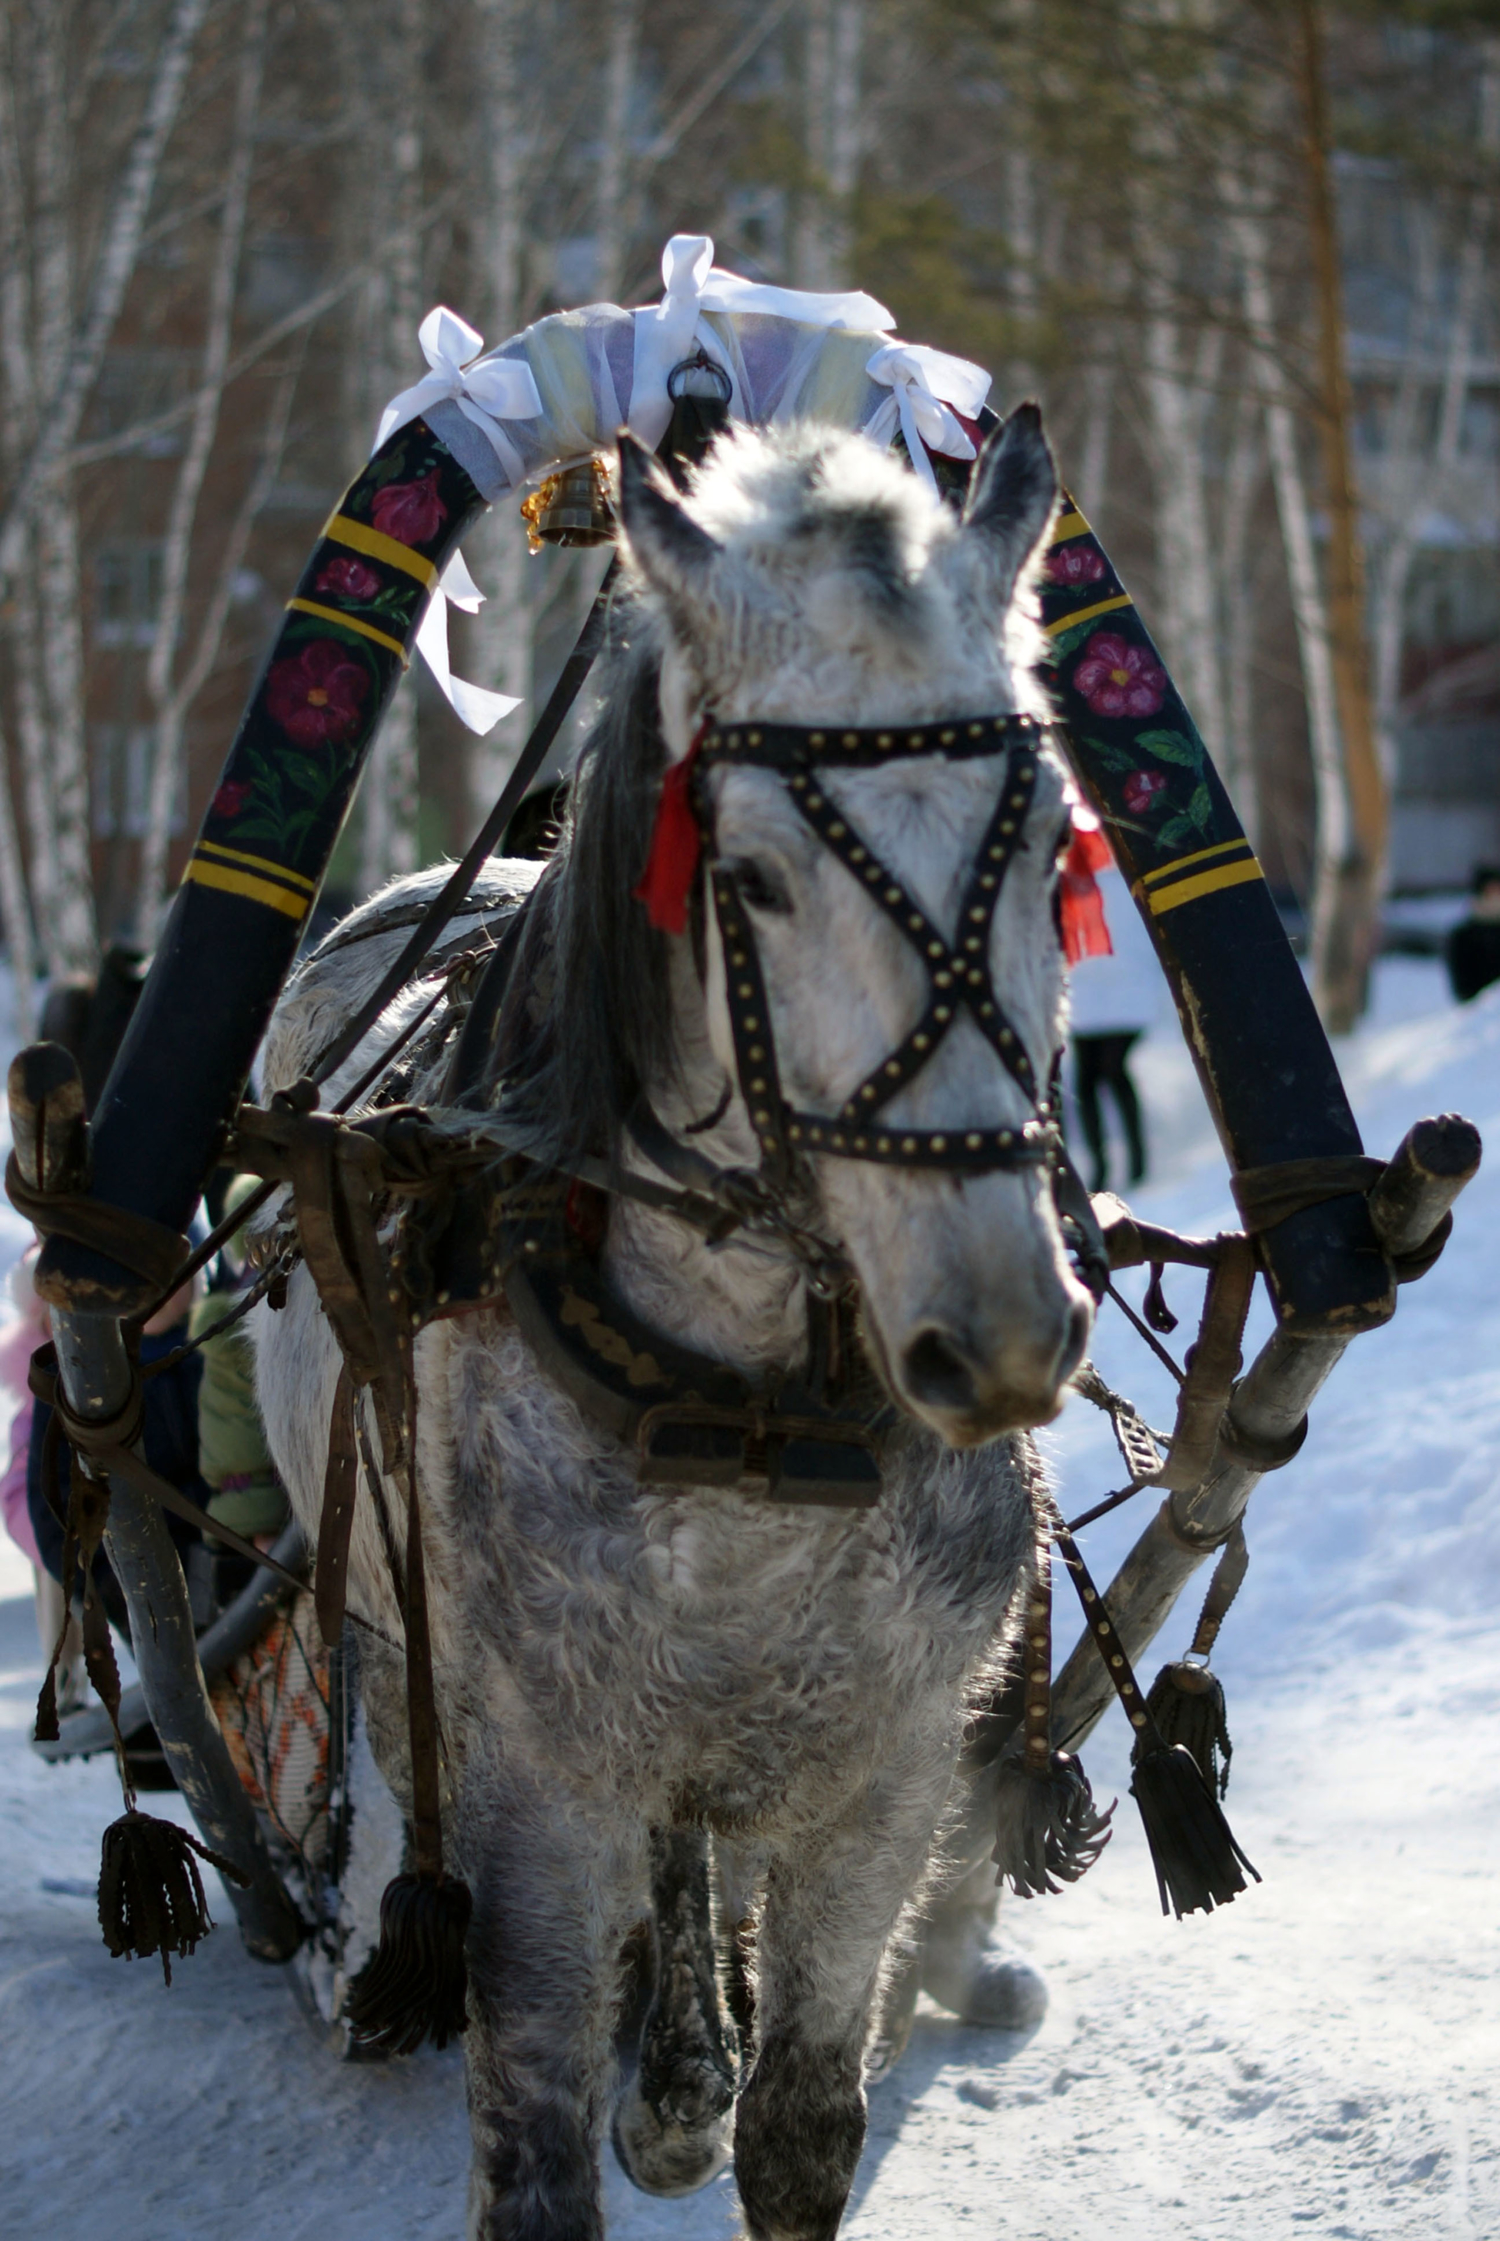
pixel 959 973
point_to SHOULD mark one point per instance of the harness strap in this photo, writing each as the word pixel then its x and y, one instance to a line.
pixel 148 1249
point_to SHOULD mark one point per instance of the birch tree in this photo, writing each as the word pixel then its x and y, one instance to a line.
pixel 833 58
pixel 1421 475
pixel 71 936
pixel 1333 829
pixel 68 393
pixel 503 630
pixel 172 695
pixel 1346 909
pixel 389 843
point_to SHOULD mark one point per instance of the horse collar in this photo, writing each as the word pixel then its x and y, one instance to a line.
pixel 958 972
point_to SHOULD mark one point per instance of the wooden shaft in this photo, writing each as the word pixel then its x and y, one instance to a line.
pixel 1431 1166
pixel 1434 1162
pixel 241 1623
pixel 95 1373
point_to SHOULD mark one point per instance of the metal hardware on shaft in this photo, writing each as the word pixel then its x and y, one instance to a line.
pixel 1433 1163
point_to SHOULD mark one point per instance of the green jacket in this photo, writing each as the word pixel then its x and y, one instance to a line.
pixel 244 1491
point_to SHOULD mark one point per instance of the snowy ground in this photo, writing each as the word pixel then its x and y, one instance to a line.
pixel 1315 2060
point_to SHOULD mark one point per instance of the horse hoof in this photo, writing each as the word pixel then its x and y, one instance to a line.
pixel 998 1992
pixel 660 2153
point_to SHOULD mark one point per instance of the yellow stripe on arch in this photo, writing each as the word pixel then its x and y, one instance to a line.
pixel 244 884
pixel 350 622
pixel 1071 525
pixel 1179 864
pixel 342 529
pixel 262 864
pixel 1103 607
pixel 1163 899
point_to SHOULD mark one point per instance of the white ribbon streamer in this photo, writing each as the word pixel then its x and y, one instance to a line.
pixel 486 393
pixel 480 709
pixel 665 333
pixel 920 380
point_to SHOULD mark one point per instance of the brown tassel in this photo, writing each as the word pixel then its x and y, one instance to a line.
pixel 1193 1849
pixel 415 1984
pixel 150 1892
pixel 1198 1863
pixel 1048 1825
pixel 1186 1701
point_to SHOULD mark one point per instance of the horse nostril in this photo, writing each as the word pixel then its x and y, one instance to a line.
pixel 938 1374
pixel 1080 1322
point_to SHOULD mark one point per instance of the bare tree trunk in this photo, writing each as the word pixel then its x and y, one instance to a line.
pixel 1243 476
pixel 833 58
pixel 611 228
pixel 505 621
pixel 389 842
pixel 67 395
pixel 169 701
pixel 72 938
pixel 1346 927
pixel 1439 475
pixel 1309 613
pixel 1179 400
pixel 1098 422
pixel 16 428
pixel 15 915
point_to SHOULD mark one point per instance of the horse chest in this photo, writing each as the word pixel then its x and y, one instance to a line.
pixel 691 1630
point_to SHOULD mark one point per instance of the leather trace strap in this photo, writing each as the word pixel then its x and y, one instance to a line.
pixel 148 1249
pixel 958 972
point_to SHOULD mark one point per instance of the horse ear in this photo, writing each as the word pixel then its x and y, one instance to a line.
pixel 1012 493
pixel 667 545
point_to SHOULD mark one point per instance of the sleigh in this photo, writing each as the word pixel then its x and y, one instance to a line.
pixel 1331 1230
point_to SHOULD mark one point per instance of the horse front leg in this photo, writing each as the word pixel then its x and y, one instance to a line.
pixel 557 1883
pixel 675 2120
pixel 830 1912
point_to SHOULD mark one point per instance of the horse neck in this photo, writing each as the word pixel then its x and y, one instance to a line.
pixel 744 1303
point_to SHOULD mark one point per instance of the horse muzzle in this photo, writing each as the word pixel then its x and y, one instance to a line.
pixel 971 1385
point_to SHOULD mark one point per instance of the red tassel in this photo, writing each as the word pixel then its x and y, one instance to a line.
pixel 1084 931
pixel 676 844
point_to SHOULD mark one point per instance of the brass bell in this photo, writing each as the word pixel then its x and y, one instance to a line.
pixel 572 507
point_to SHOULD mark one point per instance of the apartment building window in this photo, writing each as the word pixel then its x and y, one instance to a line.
pixel 127 592
pixel 120 782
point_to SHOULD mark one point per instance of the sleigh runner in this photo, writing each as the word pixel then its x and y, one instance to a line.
pixel 420 1200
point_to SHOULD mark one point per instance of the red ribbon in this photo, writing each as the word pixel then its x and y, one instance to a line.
pixel 676 844
pixel 1084 931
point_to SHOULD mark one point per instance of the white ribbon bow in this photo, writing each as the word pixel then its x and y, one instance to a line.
pixel 665 333
pixel 495 389
pixel 920 380
pixel 490 391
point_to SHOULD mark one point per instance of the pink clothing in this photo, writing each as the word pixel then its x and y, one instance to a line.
pixel 19 1340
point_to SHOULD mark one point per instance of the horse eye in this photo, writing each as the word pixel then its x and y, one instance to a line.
pixel 758 889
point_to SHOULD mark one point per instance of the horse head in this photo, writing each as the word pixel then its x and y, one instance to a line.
pixel 809 581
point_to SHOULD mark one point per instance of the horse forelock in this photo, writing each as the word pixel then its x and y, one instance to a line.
pixel 592 968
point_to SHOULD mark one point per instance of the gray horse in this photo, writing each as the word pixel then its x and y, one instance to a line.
pixel 623 1664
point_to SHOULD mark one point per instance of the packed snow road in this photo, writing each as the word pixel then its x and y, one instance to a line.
pixel 1316 2059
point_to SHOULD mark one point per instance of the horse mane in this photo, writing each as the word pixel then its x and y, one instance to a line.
pixel 589 1016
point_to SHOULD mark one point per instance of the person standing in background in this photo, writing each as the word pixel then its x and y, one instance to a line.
pixel 1472 951
pixel 1115 1000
